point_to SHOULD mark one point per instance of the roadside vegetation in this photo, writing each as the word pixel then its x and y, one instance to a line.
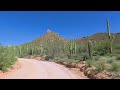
pixel 7 57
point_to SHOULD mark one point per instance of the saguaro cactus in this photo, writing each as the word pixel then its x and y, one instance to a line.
pixel 32 51
pixel 75 47
pixel 20 53
pixel 72 46
pixel 64 46
pixel 27 48
pixel 14 48
pixel 109 37
pixel 90 48
pixel 41 48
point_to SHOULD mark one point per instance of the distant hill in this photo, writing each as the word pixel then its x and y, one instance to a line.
pixel 48 37
pixel 52 36
pixel 99 37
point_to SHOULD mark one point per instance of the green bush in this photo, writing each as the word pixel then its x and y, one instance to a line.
pixel 54 48
pixel 110 61
pixel 7 57
pixel 101 48
pixel 114 67
pixel 89 63
pixel 100 66
pixel 96 58
pixel 118 57
pixel 117 47
pixel 49 57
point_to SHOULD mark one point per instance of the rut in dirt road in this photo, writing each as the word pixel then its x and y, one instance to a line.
pixel 33 69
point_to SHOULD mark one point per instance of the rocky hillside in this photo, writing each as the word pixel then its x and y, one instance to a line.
pixel 52 36
pixel 99 37
pixel 48 37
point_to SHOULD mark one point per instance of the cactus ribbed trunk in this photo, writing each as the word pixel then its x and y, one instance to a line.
pixel 75 48
pixel 20 50
pixel 90 48
pixel 72 47
pixel 32 51
pixel 14 48
pixel 64 47
pixel 27 48
pixel 41 48
pixel 109 37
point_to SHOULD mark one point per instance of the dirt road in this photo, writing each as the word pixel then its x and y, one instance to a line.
pixel 33 69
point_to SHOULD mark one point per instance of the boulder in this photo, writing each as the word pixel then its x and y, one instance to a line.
pixel 73 65
pixel 69 65
pixel 1 71
pixel 65 63
pixel 90 72
pixel 38 58
pixel 83 67
pixel 32 57
pixel 60 62
pixel 102 75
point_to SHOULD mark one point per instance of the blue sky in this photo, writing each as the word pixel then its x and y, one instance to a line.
pixel 17 27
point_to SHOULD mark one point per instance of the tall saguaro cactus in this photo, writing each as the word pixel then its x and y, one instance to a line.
pixel 72 46
pixel 41 48
pixel 27 48
pixel 90 48
pixel 75 47
pixel 32 51
pixel 14 48
pixel 109 37
pixel 20 53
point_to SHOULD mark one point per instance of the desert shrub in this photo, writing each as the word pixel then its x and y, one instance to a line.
pixel 101 48
pixel 114 67
pixel 117 47
pixel 85 57
pixel 97 63
pixel 73 56
pixel 102 61
pixel 110 61
pixel 80 57
pixel 107 59
pixel 96 58
pixel 100 66
pixel 7 57
pixel 118 57
pixel 54 48
pixel 49 57
pixel 111 54
pixel 80 49
pixel 89 63
pixel 69 61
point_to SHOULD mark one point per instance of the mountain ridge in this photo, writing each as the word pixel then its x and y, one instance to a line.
pixel 51 36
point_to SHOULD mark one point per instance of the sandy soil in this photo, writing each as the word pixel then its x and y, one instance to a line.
pixel 33 69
